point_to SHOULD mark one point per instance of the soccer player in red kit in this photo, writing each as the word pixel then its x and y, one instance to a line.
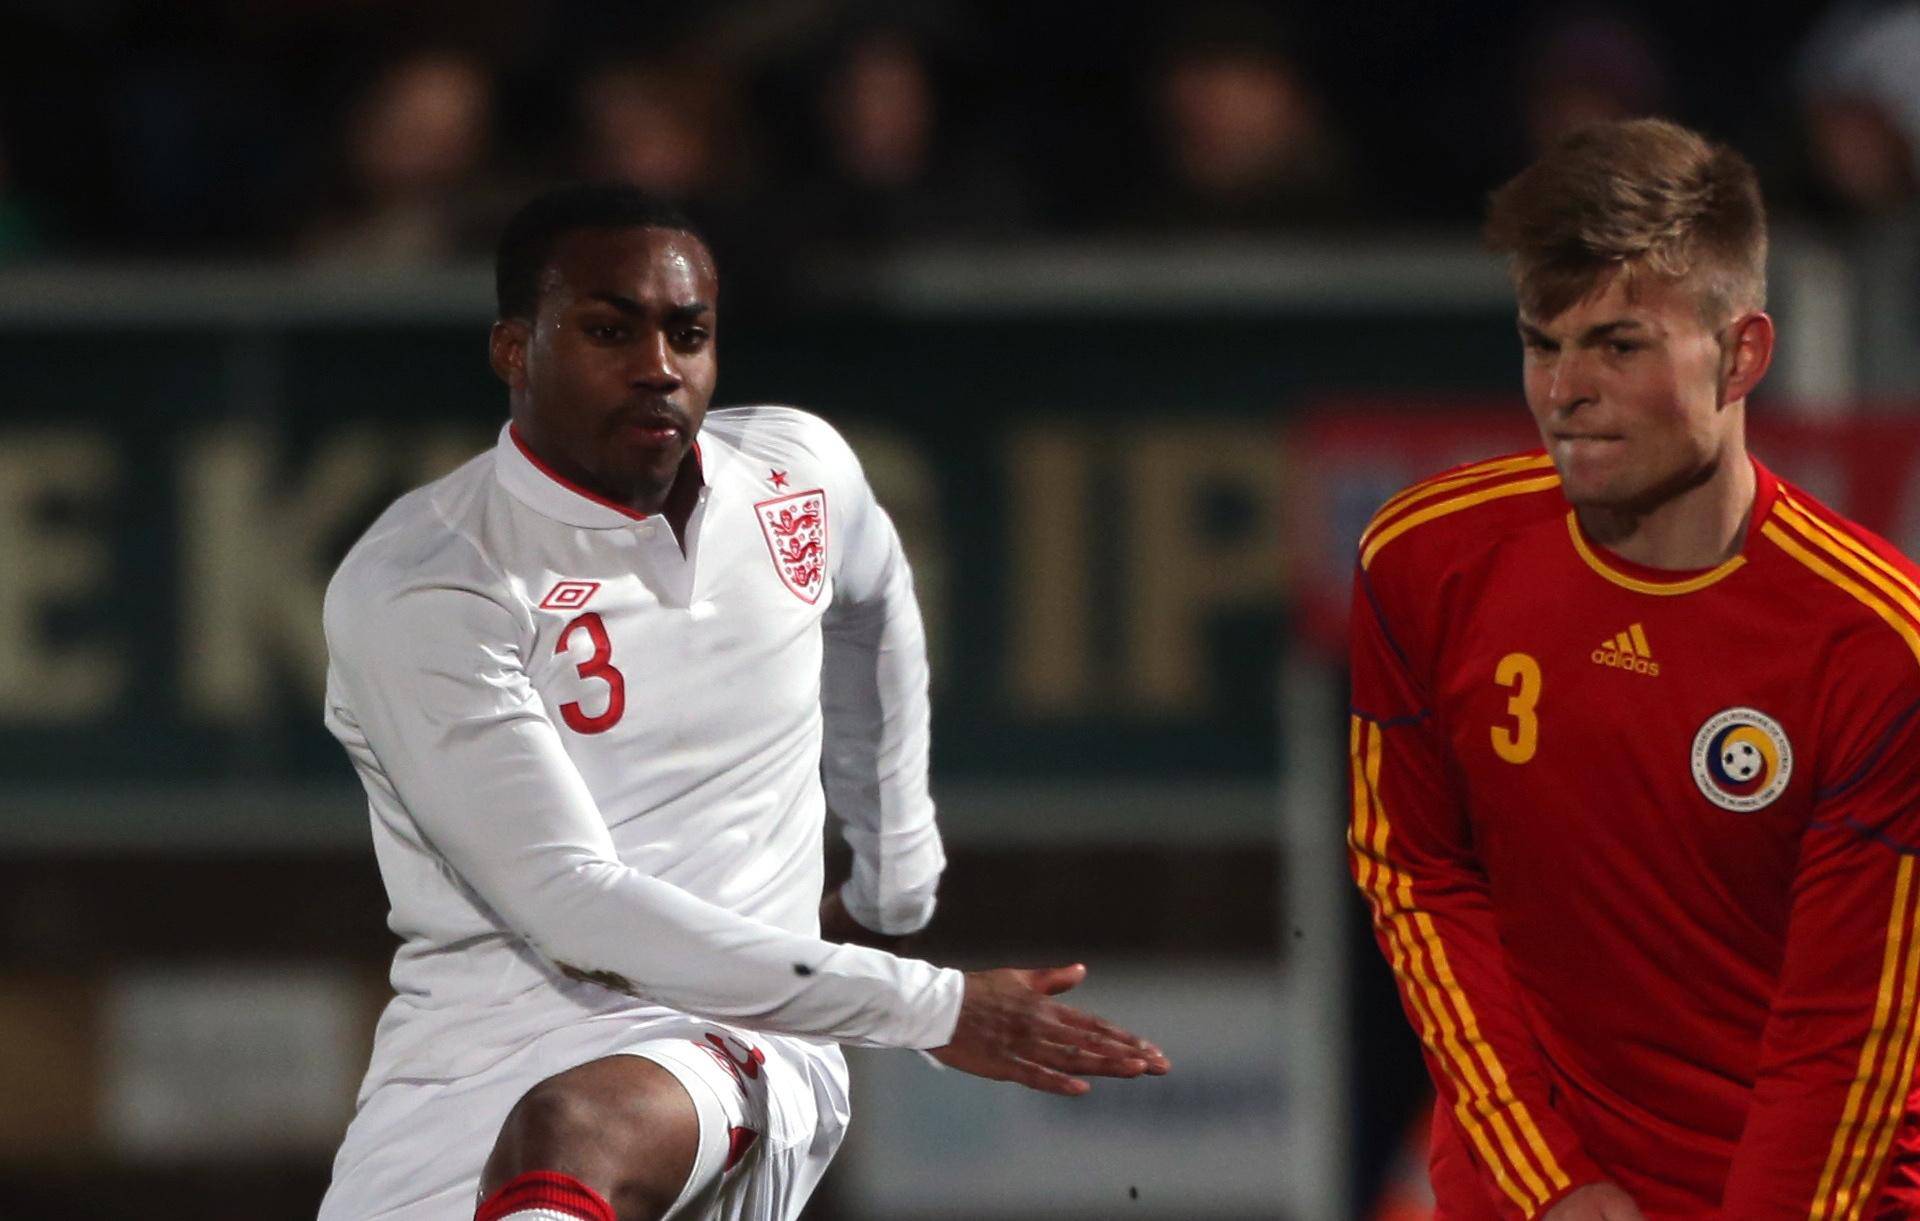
pixel 1636 746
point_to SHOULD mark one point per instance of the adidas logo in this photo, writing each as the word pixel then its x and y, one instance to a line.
pixel 1628 651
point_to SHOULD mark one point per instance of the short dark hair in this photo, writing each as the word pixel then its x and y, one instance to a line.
pixel 527 243
pixel 1635 193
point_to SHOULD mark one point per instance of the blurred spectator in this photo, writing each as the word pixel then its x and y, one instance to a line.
pixel 1861 84
pixel 415 152
pixel 1241 135
pixel 1585 66
pixel 671 128
pixel 182 128
pixel 677 126
pixel 890 163
pixel 880 112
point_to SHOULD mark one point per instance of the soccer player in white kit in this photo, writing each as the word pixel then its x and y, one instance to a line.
pixel 601 685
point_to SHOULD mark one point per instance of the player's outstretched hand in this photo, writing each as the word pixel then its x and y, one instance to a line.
pixel 1596 1202
pixel 1010 1031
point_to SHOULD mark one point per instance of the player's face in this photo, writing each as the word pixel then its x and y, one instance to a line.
pixel 1629 387
pixel 617 368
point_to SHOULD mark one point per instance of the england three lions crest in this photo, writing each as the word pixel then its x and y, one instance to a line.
pixel 796 530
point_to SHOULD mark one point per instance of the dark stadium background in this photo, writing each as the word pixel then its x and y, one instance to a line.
pixel 1133 312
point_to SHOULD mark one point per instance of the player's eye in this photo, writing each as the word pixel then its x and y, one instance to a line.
pixel 606 332
pixel 690 337
pixel 1620 347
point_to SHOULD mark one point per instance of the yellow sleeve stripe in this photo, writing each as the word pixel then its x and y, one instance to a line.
pixel 1419 962
pixel 1877 1098
pixel 1895 619
pixel 1479 472
pixel 1898 1085
pixel 1368 838
pixel 1370 546
pixel 1894 583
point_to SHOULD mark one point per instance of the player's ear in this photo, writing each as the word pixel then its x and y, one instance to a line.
pixel 1745 355
pixel 507 351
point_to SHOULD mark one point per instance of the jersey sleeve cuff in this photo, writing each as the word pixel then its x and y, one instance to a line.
pixel 906 915
pixel 1583 1174
pixel 938 1008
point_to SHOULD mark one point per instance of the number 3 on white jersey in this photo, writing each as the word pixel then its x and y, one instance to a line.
pixel 599 666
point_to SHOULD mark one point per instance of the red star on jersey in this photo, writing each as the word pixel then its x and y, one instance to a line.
pixel 779 478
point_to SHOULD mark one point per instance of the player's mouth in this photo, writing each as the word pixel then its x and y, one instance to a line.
pixel 652 434
pixel 653 427
pixel 1585 442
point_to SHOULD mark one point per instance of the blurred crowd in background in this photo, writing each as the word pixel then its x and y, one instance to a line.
pixel 401 133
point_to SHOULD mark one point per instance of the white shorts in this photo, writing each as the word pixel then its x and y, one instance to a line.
pixel 415 1149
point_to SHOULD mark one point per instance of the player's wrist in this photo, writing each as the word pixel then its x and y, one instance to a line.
pixel 944 1000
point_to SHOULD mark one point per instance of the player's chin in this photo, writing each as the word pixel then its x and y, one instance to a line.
pixel 1590 469
pixel 1600 489
pixel 1582 495
pixel 646 463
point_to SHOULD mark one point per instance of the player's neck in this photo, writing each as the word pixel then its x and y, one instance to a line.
pixel 681 498
pixel 674 503
pixel 1699 527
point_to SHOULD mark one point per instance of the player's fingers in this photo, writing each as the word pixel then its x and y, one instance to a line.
pixel 1052 981
pixel 1119 1054
pixel 1046 1080
pixel 1018 1068
pixel 1062 1035
pixel 1111 1052
pixel 1070 1016
pixel 1080 1019
pixel 1085 1061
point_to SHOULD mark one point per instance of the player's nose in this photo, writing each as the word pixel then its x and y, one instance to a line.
pixel 653 366
pixel 1571 382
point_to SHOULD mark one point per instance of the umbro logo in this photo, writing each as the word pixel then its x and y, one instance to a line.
pixel 1628 650
pixel 569 595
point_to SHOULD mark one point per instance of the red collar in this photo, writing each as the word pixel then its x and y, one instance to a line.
pixel 526 451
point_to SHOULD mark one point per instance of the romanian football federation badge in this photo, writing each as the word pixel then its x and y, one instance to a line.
pixel 1742 759
pixel 796 530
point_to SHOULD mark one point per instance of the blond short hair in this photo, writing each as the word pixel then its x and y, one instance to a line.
pixel 1639 194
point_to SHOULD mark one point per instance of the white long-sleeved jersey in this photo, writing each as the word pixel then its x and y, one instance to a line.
pixel 595 763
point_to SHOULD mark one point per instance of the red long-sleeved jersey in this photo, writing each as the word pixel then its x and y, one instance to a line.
pixel 1641 848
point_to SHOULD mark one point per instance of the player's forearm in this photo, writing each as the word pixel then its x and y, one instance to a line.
pixel 874 765
pixel 1815 1149
pixel 1436 926
pixel 1484 1065
pixel 603 921
pixel 547 871
pixel 488 783
pixel 1838 1053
